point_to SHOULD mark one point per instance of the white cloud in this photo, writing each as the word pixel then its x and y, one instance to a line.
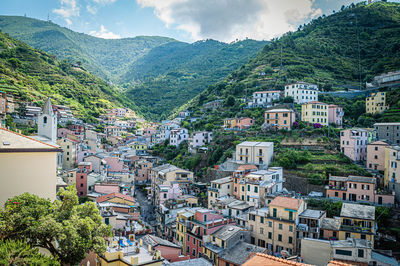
pixel 92 8
pixel 69 22
pixel 68 9
pixel 104 33
pixel 227 20
pixel 104 2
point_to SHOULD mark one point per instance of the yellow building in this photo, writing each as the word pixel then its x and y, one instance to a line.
pixel 181 229
pixel 275 228
pixel 139 147
pixel 70 149
pixel 26 165
pixel 357 221
pixel 315 112
pixel 392 165
pixel 375 103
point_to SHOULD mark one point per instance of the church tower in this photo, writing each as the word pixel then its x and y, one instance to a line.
pixel 47 122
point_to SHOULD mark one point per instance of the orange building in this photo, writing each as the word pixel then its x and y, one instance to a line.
pixel 280 118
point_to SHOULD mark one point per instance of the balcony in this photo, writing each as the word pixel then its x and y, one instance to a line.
pixel 213 189
pixel 357 229
pixel 336 188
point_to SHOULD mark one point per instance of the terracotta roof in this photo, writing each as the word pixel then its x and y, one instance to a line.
pixel 114 195
pixel 286 202
pixel 264 259
pixel 247 167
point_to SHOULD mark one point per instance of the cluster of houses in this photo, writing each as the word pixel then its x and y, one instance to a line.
pixel 378 150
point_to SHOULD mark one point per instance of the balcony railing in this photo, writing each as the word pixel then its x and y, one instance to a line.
pixel 358 229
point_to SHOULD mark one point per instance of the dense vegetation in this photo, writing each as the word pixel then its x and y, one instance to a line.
pixel 32 75
pixel 106 58
pixel 324 52
pixel 171 74
pixel 158 73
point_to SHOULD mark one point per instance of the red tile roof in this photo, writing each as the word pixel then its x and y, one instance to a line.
pixel 114 195
pixel 264 259
pixel 290 203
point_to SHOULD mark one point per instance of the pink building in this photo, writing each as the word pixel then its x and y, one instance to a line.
pixel 142 170
pixel 77 129
pixel 358 189
pixel 114 164
pixel 335 115
pixel 166 192
pixel 245 122
pixel 329 228
pixel 353 143
pixel 376 155
pixel 105 188
pixel 205 222
pixel 169 251
pixel 63 132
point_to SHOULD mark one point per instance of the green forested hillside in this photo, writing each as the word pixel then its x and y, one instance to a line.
pixel 171 74
pixel 106 58
pixel 158 73
pixel 33 75
pixel 324 52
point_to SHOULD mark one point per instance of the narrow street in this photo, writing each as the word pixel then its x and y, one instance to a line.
pixel 146 208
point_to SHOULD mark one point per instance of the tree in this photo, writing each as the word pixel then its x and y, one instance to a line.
pixel 66 229
pixel 20 253
pixel 230 101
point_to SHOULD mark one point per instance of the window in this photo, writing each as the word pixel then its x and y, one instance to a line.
pixel 194 241
pixel 255 189
pixel 242 188
pixel 248 187
pixel 194 252
pixel 290 228
pixel 270 224
pixel 290 240
pixel 261 219
pixel 280 237
pixel 290 216
pixel 343 252
pixel 261 230
pixel 274 213
pixel 361 253
pixel 280 226
pixel 45 119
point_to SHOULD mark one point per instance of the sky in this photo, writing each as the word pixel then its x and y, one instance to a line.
pixel 184 20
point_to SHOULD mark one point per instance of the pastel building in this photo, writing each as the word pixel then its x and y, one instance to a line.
pixel 353 143
pixel 177 136
pixel 238 123
pixel 315 112
pixel 264 98
pixel 218 188
pixel 258 153
pixel 375 103
pixel 376 155
pixel 392 170
pixel 164 193
pixel 115 164
pixel 357 221
pixel 70 152
pixel 280 118
pixel 27 165
pixel 302 92
pixel 357 189
pixel 335 115
pixel 199 139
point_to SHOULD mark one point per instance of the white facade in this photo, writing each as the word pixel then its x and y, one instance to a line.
pixel 199 139
pixel 264 98
pixel 302 92
pixel 177 136
pixel 47 123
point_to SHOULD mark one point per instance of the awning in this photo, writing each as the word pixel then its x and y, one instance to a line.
pixel 194 229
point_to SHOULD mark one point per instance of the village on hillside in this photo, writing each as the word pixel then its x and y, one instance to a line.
pixel 301 186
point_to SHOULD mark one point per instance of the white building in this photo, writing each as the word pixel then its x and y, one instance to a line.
pixel 178 135
pixel 264 98
pixel 199 139
pixel 218 188
pixel 259 153
pixel 302 92
pixel 47 123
